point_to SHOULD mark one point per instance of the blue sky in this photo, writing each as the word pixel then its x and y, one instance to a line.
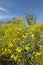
pixel 17 8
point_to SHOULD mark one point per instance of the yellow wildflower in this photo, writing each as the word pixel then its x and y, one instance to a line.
pixel 26 47
pixel 32 35
pixel 38 53
pixel 10 44
pixel 24 36
pixel 18 49
pixel 15 57
pixel 12 56
pixel 40 47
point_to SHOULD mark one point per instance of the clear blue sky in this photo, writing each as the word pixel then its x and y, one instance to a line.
pixel 17 8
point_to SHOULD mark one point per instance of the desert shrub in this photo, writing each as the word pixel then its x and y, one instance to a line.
pixel 21 44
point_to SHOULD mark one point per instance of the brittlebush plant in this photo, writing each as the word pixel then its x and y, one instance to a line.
pixel 21 44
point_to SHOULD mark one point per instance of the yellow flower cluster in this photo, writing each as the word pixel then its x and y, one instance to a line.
pixel 14 57
pixel 21 44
